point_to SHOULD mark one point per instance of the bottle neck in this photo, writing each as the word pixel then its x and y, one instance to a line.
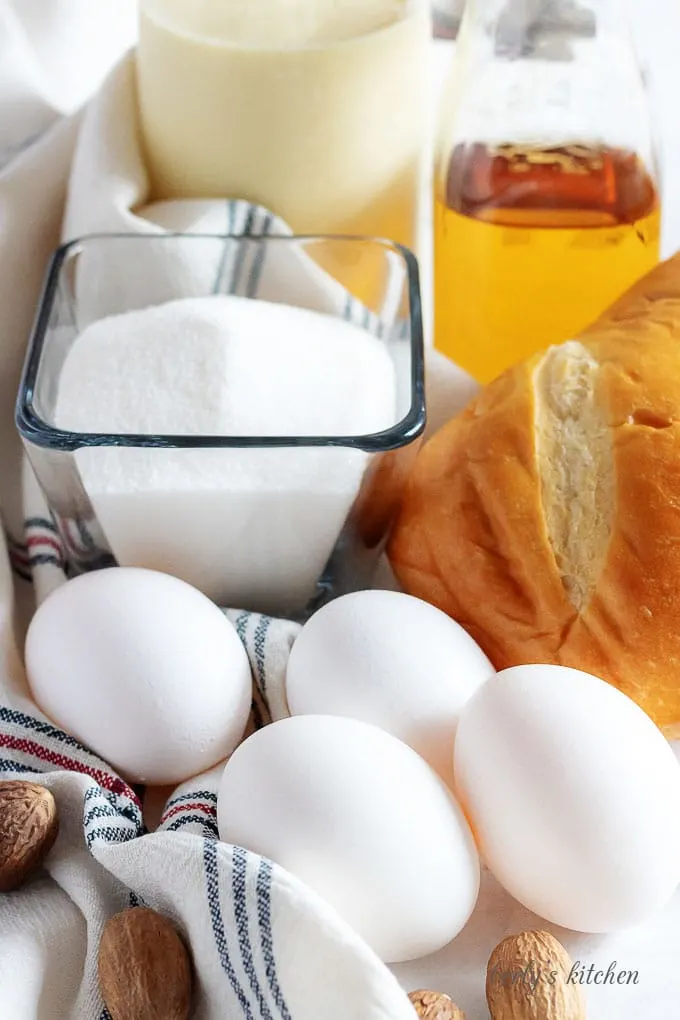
pixel 546 29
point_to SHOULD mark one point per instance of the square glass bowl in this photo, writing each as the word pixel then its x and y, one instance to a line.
pixel 276 523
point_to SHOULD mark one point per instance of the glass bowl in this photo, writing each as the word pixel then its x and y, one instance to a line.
pixel 314 512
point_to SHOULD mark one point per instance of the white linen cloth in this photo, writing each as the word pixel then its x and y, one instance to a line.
pixel 264 946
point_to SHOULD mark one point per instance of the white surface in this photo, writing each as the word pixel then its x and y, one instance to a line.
pixel 392 660
pixel 651 950
pixel 363 820
pixel 142 669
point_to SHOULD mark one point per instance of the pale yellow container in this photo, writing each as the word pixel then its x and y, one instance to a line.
pixel 311 108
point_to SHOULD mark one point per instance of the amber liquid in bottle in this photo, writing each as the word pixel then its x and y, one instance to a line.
pixel 532 244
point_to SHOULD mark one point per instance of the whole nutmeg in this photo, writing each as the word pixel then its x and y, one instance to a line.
pixel 145 970
pixel 527 978
pixel 435 1006
pixel 28 828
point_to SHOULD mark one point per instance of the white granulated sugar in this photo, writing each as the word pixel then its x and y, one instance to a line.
pixel 248 527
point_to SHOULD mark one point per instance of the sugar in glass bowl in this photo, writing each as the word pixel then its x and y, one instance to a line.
pixel 241 412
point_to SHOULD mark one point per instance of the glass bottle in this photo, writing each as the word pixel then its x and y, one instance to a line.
pixel 547 205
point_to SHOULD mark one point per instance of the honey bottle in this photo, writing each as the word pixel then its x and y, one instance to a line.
pixel 547 206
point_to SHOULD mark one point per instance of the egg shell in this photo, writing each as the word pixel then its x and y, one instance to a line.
pixel 392 660
pixel 143 669
pixel 361 819
pixel 574 797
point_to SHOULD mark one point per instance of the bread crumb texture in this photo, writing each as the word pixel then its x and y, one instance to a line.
pixel 576 467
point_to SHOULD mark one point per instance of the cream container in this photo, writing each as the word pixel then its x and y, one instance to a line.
pixel 311 108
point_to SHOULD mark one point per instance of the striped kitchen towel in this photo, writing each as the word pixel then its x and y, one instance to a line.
pixel 264 946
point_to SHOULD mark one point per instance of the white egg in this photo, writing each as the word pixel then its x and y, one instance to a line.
pixel 574 797
pixel 391 660
pixel 143 669
pixel 364 821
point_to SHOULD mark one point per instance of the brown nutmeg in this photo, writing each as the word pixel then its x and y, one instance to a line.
pixel 28 829
pixel 145 970
pixel 435 1006
pixel 527 978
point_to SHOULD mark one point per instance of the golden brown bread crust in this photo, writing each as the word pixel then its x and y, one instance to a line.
pixel 472 537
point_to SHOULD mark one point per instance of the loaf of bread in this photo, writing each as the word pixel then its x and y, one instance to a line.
pixel 546 517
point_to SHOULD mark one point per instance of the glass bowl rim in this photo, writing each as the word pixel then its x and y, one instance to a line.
pixel 35 430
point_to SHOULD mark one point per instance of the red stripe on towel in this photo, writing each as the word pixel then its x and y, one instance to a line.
pixel 109 782
pixel 36 540
pixel 187 807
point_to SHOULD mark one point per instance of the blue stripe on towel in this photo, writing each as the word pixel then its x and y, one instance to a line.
pixel 100 811
pixel 264 915
pixel 367 318
pixel 242 626
pixel 259 643
pixel 118 806
pixel 197 795
pixel 222 265
pixel 212 888
pixel 13 766
pixel 209 827
pixel 241 253
pixel 9 715
pixel 41 522
pixel 238 886
pixel 109 834
pixel 45 560
pixel 259 257
pixel 258 718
